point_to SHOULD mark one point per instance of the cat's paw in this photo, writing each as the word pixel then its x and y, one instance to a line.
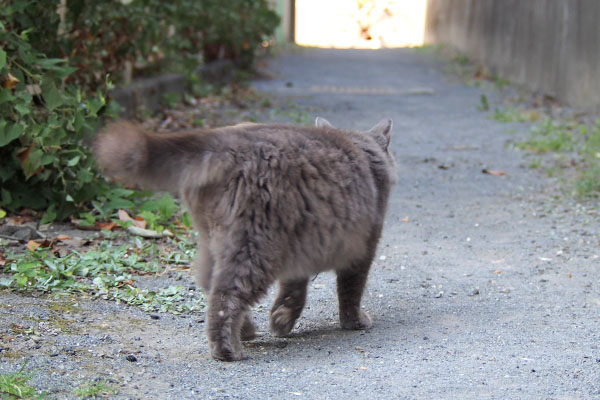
pixel 282 321
pixel 362 321
pixel 248 331
pixel 225 353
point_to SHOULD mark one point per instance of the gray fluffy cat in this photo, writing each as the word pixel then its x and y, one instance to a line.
pixel 270 202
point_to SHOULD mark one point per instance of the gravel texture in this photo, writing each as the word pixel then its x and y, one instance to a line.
pixel 484 286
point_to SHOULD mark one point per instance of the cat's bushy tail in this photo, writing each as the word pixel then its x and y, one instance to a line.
pixel 128 154
pixel 160 161
pixel 121 152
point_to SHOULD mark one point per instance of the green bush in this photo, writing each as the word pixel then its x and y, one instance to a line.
pixel 43 123
pixel 234 30
pixel 56 65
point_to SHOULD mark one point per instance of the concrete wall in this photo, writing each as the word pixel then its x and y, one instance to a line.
pixel 551 46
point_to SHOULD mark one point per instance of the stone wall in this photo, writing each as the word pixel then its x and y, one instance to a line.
pixel 551 46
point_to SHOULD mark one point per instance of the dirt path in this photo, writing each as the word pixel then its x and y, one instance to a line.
pixel 482 287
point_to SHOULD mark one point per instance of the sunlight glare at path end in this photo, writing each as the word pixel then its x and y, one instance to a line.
pixel 362 24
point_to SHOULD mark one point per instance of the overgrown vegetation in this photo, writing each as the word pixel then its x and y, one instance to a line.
pixel 43 123
pixel 108 270
pixel 57 62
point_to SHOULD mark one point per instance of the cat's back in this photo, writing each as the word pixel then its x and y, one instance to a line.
pixel 294 146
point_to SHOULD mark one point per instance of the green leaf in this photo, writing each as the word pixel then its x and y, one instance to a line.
pixel 116 204
pixel 51 63
pixel 5 95
pixel 187 220
pixel 94 105
pixel 22 109
pixel 52 97
pixel 85 175
pixel 25 33
pixel 73 161
pixel 50 214
pixel 6 196
pixel 32 163
pixel 2 58
pixel 167 206
pixel 9 132
pixel 2 213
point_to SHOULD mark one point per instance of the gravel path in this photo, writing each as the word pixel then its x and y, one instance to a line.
pixel 482 286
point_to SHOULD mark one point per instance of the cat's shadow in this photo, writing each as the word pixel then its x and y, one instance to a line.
pixel 309 338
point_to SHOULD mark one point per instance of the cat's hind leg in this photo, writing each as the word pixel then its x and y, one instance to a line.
pixel 225 319
pixel 350 286
pixel 236 284
pixel 248 330
pixel 203 266
pixel 288 306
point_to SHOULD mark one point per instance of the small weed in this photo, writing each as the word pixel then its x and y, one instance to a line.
pixel 588 184
pixel 461 59
pixel 199 122
pixel 171 99
pixel 266 103
pixel 503 115
pixel 15 386
pixel 553 136
pixel 100 388
pixel 484 104
pixel 500 82
pixel 291 114
pixel 549 136
pixel 513 114
pixel 536 163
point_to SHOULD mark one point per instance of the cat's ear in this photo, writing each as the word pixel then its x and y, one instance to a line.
pixel 382 132
pixel 323 123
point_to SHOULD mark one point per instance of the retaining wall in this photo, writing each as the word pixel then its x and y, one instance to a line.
pixel 551 46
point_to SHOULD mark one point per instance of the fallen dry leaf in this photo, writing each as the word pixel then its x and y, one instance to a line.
pixel 493 172
pixel 19 219
pixel 23 156
pixel 137 221
pixel 124 216
pixel 497 272
pixel 405 219
pixel 32 245
pixel 9 81
pixel 140 222
pixel 35 244
pixel 109 226
pixel 62 237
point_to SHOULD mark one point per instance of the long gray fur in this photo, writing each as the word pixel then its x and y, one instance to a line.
pixel 270 202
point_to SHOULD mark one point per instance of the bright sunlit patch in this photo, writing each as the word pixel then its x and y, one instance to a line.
pixel 365 24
